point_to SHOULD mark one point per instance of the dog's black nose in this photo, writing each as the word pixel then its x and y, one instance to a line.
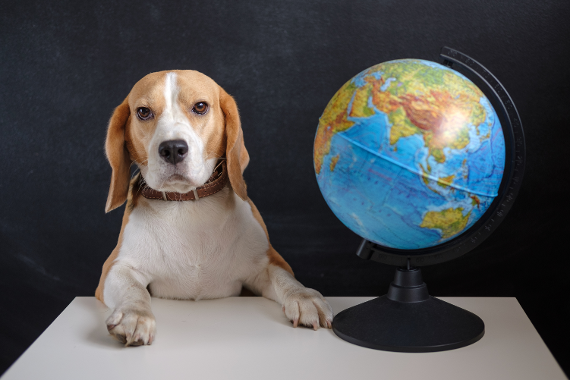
pixel 173 151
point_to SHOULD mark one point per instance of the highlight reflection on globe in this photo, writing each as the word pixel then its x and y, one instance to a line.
pixel 409 154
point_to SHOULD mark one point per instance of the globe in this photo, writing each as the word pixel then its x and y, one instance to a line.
pixel 409 154
pixel 412 156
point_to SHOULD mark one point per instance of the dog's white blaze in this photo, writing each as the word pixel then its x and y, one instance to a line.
pixel 170 93
pixel 172 112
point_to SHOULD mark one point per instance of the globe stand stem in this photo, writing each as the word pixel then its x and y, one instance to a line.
pixel 408 319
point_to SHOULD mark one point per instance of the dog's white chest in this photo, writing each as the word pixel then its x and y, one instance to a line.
pixel 194 249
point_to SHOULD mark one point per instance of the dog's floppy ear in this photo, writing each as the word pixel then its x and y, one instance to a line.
pixel 236 154
pixel 118 157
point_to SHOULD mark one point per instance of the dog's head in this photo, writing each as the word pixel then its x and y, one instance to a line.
pixel 175 125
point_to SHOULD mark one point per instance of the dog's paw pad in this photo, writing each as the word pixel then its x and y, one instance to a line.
pixel 307 307
pixel 132 327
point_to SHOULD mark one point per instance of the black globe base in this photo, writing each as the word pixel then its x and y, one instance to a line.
pixel 408 319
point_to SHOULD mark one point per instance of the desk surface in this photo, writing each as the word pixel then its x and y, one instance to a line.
pixel 250 338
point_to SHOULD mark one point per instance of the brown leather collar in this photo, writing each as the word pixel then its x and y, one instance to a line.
pixel 216 183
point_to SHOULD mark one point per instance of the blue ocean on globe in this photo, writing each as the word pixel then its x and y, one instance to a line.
pixel 409 154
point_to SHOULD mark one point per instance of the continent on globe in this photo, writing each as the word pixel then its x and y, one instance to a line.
pixel 450 221
pixel 409 154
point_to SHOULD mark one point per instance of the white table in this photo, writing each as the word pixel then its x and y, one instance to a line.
pixel 250 338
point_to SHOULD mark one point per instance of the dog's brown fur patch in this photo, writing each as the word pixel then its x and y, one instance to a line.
pixel 118 156
pixel 274 257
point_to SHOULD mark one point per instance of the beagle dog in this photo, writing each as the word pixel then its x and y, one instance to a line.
pixel 189 229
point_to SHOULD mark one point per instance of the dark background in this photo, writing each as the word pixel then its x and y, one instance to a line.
pixel 65 66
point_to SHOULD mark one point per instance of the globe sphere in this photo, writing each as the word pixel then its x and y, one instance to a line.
pixel 409 154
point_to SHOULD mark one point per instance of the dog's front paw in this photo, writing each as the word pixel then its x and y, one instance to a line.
pixel 133 327
pixel 308 308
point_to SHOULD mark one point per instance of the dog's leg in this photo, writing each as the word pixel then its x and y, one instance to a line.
pixel 301 305
pixel 132 321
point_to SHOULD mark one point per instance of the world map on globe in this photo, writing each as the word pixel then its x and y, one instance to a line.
pixel 409 154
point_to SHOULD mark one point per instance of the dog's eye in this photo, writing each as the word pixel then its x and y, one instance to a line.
pixel 144 113
pixel 200 108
